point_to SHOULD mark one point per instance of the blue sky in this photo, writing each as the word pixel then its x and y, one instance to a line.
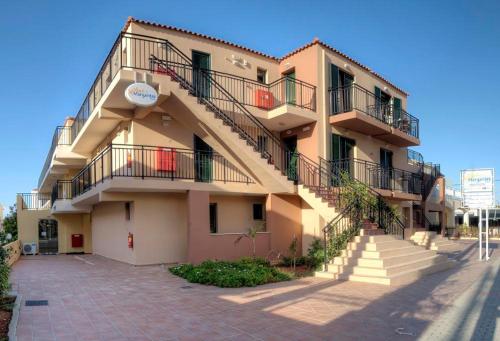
pixel 444 53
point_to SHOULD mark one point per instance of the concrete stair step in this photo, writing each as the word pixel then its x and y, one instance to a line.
pixel 401 278
pixel 399 268
pixel 371 232
pixel 406 249
pixel 381 263
pixel 373 239
pixel 387 245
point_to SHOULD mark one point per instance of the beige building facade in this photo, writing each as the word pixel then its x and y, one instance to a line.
pixel 234 139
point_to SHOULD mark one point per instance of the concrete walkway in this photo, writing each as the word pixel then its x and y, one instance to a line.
pixel 93 298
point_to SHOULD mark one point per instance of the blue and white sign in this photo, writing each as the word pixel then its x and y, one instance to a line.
pixel 478 187
pixel 141 94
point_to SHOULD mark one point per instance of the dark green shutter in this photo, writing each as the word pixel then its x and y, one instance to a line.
pixel 397 109
pixel 335 147
pixel 334 84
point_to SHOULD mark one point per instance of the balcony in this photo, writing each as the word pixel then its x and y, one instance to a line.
pixel 360 110
pixel 132 168
pixel 389 182
pixel 33 201
pixel 282 104
pixel 61 137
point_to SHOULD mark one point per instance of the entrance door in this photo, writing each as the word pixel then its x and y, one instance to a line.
pixel 47 236
pixel 203 156
pixel 385 168
pixel 201 67
pixel 290 88
pixel 291 157
pixel 341 157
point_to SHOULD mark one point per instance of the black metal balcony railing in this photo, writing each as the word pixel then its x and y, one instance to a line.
pixel 355 97
pixel 249 92
pixel 414 158
pixel 35 201
pixel 61 191
pixel 135 51
pixel 155 162
pixel 62 136
pixel 376 176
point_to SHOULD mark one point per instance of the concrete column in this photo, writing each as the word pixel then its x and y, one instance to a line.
pixel 283 220
pixel 198 221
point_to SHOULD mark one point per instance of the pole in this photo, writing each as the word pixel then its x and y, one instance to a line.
pixel 487 230
pixel 480 234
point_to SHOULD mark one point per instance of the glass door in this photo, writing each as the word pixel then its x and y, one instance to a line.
pixel 47 236
pixel 341 157
pixel 203 159
pixel 292 157
pixel 290 88
pixel 385 169
pixel 201 68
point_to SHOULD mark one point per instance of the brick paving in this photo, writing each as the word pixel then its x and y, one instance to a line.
pixel 94 298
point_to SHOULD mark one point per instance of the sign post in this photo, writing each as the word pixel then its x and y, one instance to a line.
pixel 478 191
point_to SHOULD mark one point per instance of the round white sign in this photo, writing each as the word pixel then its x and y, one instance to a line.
pixel 141 94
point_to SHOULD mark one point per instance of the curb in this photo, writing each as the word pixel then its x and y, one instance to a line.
pixel 15 317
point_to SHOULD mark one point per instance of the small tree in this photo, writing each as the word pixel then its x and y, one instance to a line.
pixel 252 235
pixel 10 222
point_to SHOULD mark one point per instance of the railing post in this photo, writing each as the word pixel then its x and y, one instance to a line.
pixel 142 160
pixel 110 161
pixel 225 169
pixel 172 164
pixel 325 253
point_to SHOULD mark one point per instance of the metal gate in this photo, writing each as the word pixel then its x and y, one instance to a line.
pixel 47 236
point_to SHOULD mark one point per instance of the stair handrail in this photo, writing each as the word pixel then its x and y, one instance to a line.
pixel 277 147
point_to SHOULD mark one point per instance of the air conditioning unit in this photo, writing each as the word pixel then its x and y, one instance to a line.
pixel 29 248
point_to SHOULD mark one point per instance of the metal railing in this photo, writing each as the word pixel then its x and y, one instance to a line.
pixel 414 158
pixel 224 106
pixel 145 162
pixel 35 201
pixel 430 172
pixel 61 191
pixel 62 136
pixel 285 90
pixel 134 51
pixel 355 97
pixel 375 176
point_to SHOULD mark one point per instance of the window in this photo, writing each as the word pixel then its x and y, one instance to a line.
pixel 127 211
pixel 213 217
pixel 261 76
pixel 258 211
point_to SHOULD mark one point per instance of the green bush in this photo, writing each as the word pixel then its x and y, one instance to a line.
pixel 315 254
pixel 246 272
pixel 4 273
pixel 288 261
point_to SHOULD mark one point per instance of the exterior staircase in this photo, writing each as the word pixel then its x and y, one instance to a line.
pixel 373 257
pixel 432 241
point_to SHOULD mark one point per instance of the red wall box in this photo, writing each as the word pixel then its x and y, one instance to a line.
pixel 264 99
pixel 77 240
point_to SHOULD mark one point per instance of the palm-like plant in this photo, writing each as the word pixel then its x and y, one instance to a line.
pixel 252 235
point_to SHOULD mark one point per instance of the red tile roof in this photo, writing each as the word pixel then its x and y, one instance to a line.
pixel 316 41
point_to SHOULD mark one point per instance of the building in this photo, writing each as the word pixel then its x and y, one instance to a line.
pixel 234 138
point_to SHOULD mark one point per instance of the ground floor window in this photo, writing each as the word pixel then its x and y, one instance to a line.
pixel 213 217
pixel 258 211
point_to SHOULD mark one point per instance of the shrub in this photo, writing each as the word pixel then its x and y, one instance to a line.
pixel 288 261
pixel 246 272
pixel 4 272
pixel 315 254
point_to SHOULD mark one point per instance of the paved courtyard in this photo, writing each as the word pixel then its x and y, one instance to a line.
pixel 93 298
